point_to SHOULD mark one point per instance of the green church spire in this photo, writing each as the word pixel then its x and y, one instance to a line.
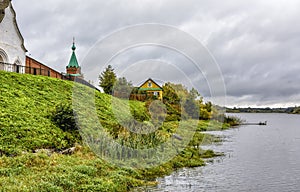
pixel 73 61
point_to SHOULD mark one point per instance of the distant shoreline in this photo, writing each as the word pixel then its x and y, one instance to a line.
pixel 289 110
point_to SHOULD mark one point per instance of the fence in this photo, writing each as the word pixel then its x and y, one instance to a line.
pixel 23 69
pixel 38 71
pixel 12 67
pixel 47 72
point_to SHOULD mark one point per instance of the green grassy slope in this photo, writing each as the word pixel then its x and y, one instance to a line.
pixel 26 104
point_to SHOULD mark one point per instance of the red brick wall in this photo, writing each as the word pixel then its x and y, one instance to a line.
pixel 36 68
pixel 73 70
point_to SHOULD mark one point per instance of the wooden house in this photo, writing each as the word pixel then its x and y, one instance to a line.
pixel 152 88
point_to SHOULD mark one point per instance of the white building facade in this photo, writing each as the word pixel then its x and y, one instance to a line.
pixel 12 49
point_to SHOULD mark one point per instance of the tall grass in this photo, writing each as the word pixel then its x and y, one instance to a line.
pixel 27 106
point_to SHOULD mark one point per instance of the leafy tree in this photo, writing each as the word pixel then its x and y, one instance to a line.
pixel 209 106
pixel 191 108
pixel 107 80
pixel 296 110
pixel 122 88
pixel 204 114
pixel 194 94
pixel 180 90
pixel 206 111
pixel 172 102
pixel 170 95
pixel 191 105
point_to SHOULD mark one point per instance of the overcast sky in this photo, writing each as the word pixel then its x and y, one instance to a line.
pixel 255 43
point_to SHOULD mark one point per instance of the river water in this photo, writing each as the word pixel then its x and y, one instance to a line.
pixel 257 158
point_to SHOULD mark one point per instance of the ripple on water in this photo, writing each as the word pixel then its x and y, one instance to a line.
pixel 257 158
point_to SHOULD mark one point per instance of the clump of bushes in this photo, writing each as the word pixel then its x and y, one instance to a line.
pixel 233 121
pixel 65 118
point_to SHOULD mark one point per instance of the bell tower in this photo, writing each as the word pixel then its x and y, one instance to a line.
pixel 73 68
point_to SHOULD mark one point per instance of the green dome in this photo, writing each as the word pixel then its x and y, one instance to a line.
pixel 73 47
pixel 73 61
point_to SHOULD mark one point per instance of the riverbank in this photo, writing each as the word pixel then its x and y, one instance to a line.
pixel 36 124
pixel 84 171
pixel 256 158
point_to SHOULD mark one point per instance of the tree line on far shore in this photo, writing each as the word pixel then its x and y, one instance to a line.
pixel 290 110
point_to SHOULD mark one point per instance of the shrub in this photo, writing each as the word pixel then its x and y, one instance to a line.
pixel 64 117
pixel 232 121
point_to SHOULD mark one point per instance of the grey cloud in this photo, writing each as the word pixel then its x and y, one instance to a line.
pixel 256 43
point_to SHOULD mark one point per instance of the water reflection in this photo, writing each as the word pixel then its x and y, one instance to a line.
pixel 256 158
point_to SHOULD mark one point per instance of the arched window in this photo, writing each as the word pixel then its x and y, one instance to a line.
pixel 18 62
pixel 3 56
pixel 3 60
pixel 18 66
